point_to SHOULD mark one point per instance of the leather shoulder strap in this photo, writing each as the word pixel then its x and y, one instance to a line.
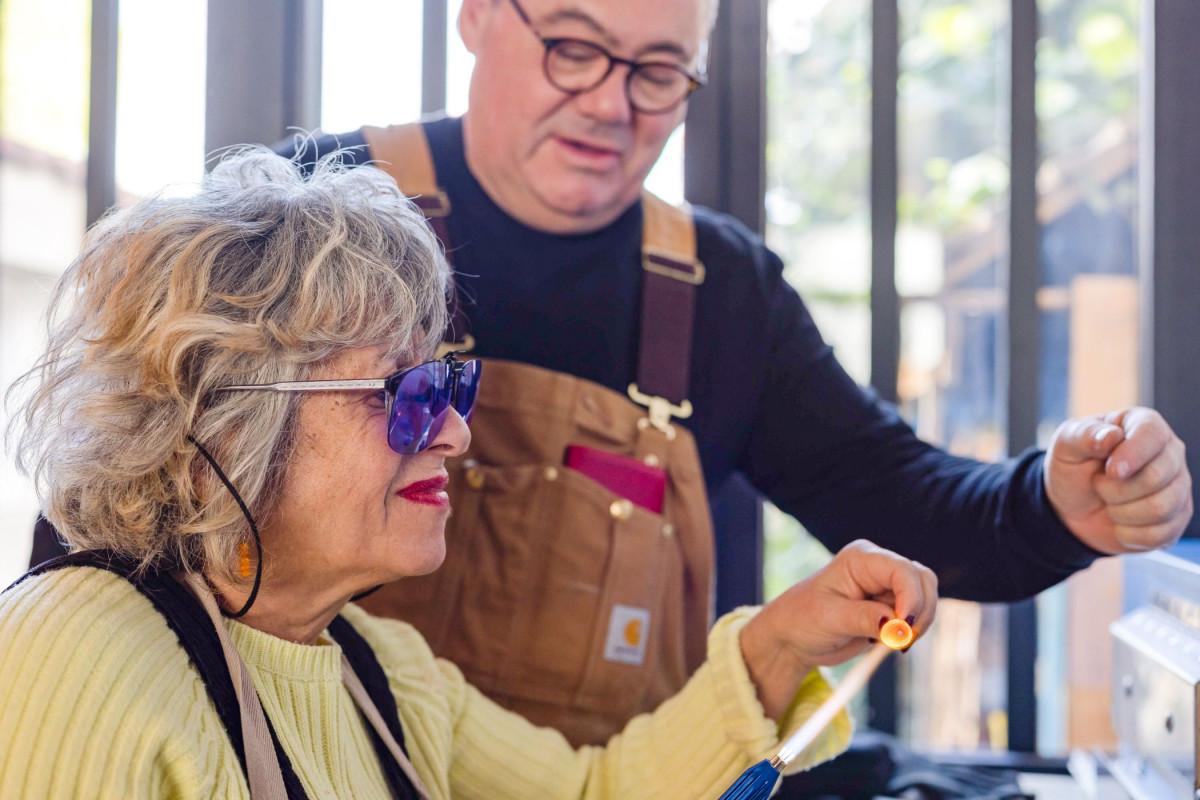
pixel 669 233
pixel 402 151
pixel 191 625
pixel 670 275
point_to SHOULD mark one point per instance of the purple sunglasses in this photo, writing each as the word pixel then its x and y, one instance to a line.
pixel 418 398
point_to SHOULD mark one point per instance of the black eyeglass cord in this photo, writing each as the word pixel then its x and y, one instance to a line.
pixel 253 529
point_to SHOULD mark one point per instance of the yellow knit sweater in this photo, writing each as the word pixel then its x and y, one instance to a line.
pixel 97 699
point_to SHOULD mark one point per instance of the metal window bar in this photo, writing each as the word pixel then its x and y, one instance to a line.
pixel 1023 340
pixel 434 54
pixel 304 26
pixel 101 183
pixel 278 42
pixel 885 300
pixel 1171 249
pixel 724 145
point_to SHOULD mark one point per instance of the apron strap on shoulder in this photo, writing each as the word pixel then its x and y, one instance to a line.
pixel 402 151
pixel 670 275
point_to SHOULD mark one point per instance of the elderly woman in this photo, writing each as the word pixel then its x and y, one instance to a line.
pixel 238 428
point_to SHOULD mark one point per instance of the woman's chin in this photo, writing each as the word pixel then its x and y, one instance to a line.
pixel 419 563
pixel 431 565
pixel 385 564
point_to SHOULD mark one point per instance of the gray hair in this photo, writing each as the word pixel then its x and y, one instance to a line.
pixel 262 275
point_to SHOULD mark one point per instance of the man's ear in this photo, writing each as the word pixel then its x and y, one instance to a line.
pixel 473 18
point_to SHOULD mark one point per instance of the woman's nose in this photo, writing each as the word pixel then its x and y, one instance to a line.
pixel 454 437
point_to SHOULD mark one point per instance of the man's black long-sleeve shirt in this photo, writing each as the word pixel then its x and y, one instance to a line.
pixel 770 399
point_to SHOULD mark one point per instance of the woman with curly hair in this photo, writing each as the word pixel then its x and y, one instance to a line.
pixel 238 427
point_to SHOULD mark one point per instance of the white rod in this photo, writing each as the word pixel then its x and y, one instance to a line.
pixel 855 679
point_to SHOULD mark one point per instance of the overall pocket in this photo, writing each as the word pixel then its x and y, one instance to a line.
pixel 593 629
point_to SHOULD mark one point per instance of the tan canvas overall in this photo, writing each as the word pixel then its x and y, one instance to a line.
pixel 558 599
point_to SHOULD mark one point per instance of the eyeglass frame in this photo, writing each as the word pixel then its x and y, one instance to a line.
pixel 695 81
pixel 363 384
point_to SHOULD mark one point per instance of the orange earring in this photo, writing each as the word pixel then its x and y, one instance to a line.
pixel 244 559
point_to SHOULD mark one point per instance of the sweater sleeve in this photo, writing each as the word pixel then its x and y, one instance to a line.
pixel 97 698
pixel 844 463
pixel 694 745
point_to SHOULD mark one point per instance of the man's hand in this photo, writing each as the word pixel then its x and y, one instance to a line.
pixel 1119 481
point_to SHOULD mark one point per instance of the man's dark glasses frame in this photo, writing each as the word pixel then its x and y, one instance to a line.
pixel 576 66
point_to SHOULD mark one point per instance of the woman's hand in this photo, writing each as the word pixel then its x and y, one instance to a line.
pixel 828 618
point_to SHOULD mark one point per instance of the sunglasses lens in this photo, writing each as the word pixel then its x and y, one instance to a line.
pixel 418 407
pixel 468 388
pixel 422 401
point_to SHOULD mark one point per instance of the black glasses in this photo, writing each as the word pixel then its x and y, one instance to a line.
pixel 576 66
pixel 418 398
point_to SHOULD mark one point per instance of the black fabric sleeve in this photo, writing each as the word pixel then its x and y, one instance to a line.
pixel 47 544
pixel 847 466
pixel 310 149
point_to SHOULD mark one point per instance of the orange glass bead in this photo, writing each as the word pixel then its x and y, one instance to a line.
pixel 896 634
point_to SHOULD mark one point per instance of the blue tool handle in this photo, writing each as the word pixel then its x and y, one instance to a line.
pixel 755 783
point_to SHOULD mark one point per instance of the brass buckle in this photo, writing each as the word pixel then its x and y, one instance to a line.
pixel 661 410
pixel 661 262
pixel 465 346
pixel 433 205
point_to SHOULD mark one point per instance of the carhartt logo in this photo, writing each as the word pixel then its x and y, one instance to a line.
pixel 627 630
pixel 633 633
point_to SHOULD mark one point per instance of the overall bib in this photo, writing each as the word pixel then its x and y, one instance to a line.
pixel 560 599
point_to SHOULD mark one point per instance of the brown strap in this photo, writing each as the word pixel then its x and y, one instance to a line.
pixel 670 275
pixel 262 766
pixel 368 709
pixel 263 772
pixel 402 151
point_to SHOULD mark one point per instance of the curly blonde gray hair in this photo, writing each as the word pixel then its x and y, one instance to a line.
pixel 262 275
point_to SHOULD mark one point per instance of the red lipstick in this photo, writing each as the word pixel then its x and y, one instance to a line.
pixel 430 492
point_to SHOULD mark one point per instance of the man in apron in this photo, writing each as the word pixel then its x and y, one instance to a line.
pixel 637 355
